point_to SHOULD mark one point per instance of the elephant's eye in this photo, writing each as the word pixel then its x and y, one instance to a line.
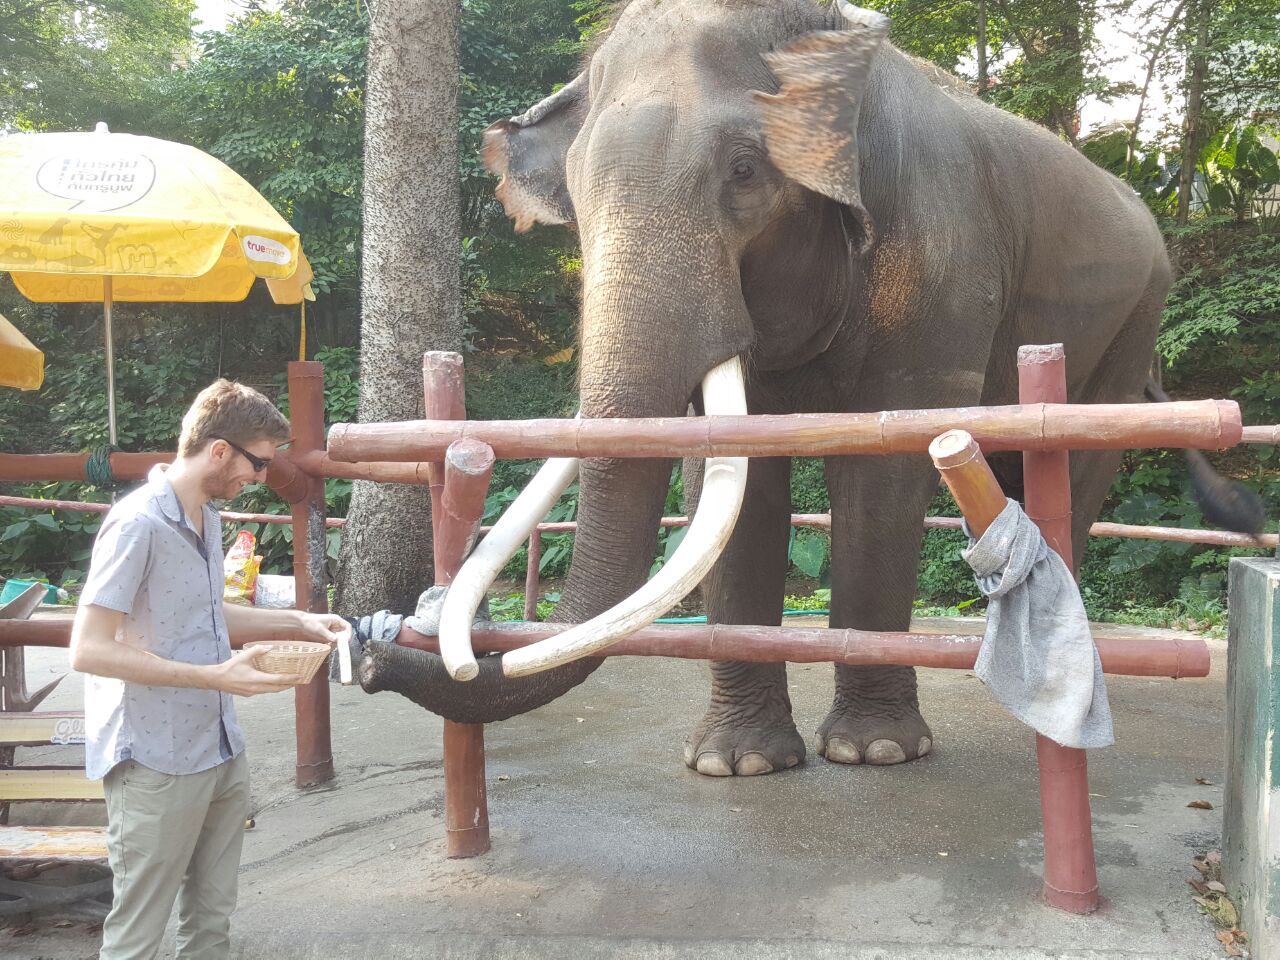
pixel 744 170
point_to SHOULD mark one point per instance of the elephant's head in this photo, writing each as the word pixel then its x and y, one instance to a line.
pixel 707 157
pixel 698 155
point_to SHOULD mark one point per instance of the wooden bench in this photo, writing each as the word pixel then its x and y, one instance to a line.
pixel 32 849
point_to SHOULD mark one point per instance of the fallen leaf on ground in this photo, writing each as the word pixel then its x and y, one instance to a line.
pixel 1201 804
pixel 1198 885
pixel 1204 782
pixel 1216 887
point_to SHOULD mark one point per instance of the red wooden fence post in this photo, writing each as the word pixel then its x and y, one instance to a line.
pixel 1070 873
pixel 466 804
pixel 311 701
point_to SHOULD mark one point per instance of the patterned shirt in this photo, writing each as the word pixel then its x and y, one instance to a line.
pixel 151 565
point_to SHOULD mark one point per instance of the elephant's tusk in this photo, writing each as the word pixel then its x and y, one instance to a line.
pixel 723 485
pixel 468 588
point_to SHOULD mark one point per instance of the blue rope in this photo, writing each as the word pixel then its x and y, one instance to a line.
pixel 97 469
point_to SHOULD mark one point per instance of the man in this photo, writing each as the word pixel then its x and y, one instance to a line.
pixel 155 640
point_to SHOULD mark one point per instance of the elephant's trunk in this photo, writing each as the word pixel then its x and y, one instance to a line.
pixel 644 352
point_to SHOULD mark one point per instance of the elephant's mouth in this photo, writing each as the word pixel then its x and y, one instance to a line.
pixel 723 485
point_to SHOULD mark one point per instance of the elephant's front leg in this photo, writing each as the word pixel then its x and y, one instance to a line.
pixel 748 728
pixel 877 512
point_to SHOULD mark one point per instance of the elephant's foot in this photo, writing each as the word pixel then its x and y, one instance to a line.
pixel 724 746
pixel 877 733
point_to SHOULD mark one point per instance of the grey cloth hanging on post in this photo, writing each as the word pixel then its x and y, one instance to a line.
pixel 1037 657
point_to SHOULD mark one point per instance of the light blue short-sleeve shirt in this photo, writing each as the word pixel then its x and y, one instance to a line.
pixel 150 564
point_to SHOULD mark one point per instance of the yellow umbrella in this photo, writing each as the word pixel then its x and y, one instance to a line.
pixel 21 364
pixel 103 217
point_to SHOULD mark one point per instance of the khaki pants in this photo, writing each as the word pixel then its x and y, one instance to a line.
pixel 169 835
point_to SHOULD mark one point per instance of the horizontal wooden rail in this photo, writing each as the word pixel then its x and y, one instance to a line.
pixel 1221 538
pixel 1134 656
pixel 1206 424
pixel 77 506
pixel 1034 426
pixel 33 467
pixel 1269 433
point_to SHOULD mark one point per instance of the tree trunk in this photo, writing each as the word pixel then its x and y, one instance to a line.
pixel 1197 69
pixel 982 49
pixel 1156 51
pixel 410 288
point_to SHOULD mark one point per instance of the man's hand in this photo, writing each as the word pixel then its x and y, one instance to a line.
pixel 239 676
pixel 325 628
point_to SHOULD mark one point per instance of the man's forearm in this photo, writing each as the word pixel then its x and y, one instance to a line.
pixel 260 623
pixel 120 661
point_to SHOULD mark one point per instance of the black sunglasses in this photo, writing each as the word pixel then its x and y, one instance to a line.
pixel 258 463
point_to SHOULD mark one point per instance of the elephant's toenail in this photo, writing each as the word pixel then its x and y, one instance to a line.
pixel 714 765
pixel 924 746
pixel 688 755
pixel 885 752
pixel 842 751
pixel 792 760
pixel 753 764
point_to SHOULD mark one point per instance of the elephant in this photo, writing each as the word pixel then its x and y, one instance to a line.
pixel 773 181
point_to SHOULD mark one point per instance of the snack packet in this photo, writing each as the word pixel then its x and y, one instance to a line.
pixel 240 567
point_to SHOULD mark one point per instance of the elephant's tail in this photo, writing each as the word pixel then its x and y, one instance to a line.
pixel 1224 503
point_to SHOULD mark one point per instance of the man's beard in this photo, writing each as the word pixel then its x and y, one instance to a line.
pixel 222 487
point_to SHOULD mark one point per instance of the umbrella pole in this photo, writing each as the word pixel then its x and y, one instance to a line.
pixel 111 360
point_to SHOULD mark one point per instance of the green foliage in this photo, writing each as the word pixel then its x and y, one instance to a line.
pixel 1229 290
pixel 811 553
pixel 944 578
pixel 1238 167
pixel 279 97
pixel 809 485
pixel 51 545
pixel 520 290
pixel 66 64
pixel 510 606
pixel 818 600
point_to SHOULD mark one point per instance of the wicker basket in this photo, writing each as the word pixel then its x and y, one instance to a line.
pixel 301 657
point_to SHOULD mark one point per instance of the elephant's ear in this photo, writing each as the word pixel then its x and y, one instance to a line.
pixel 528 153
pixel 811 124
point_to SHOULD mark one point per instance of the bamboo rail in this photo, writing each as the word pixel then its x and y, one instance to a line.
pixel 79 506
pixel 819 521
pixel 1206 424
pixel 1134 656
pixel 31 467
pixel 1268 434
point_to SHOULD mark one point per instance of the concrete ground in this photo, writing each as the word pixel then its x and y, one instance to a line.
pixel 605 845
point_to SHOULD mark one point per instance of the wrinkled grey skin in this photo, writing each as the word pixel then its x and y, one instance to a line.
pixel 868 237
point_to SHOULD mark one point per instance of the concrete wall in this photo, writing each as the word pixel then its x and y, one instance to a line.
pixel 1251 837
